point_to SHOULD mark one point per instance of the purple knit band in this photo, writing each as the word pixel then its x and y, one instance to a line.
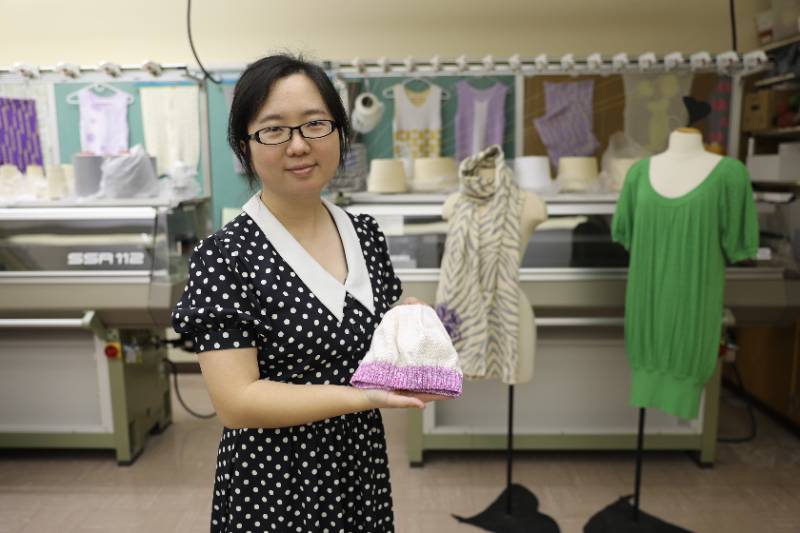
pixel 427 379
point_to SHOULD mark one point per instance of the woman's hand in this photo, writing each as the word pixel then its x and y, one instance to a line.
pixel 380 399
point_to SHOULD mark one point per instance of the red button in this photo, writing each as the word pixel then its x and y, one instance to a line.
pixel 111 351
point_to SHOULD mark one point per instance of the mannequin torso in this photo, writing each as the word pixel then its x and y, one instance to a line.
pixel 683 166
pixel 532 213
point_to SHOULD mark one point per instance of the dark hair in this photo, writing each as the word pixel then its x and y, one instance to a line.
pixel 252 90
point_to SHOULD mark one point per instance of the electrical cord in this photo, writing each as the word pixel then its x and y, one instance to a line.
pixel 191 43
pixel 174 371
pixel 750 411
pixel 733 24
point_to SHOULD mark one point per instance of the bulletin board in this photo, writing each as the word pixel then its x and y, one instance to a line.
pixel 68 116
pixel 379 141
pixel 608 106
pixel 231 190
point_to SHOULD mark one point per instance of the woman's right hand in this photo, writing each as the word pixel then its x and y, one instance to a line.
pixel 380 399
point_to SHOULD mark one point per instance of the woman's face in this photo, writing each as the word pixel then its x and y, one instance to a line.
pixel 299 167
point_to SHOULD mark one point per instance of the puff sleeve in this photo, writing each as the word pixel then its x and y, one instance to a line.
pixel 739 219
pixel 392 286
pixel 622 222
pixel 217 308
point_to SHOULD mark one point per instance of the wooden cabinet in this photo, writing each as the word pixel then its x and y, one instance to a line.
pixel 769 363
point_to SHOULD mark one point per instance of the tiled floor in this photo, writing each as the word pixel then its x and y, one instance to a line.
pixel 754 487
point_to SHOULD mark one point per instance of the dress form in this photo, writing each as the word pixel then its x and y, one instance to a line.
pixel 532 213
pixel 683 165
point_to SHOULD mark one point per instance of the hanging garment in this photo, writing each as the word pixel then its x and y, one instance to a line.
pixel 42 95
pixel 566 128
pixel 477 297
pixel 480 118
pixel 19 133
pixel 720 101
pixel 103 122
pixel 171 121
pixel 654 107
pixel 676 279
pixel 417 124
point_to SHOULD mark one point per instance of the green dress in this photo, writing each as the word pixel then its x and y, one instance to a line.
pixel 676 279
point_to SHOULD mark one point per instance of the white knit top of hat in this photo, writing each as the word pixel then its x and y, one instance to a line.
pixel 411 350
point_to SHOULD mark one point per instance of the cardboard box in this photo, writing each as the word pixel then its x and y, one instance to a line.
pixel 783 166
pixel 759 111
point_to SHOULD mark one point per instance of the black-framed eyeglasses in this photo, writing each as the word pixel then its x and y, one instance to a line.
pixel 314 129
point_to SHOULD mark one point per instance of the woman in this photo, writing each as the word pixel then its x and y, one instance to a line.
pixel 283 302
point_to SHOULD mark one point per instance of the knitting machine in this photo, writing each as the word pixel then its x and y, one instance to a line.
pixel 86 292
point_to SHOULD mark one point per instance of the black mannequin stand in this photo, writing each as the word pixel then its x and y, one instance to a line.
pixel 621 516
pixel 516 510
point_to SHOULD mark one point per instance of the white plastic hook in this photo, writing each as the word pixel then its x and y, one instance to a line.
pixel 726 60
pixel 620 61
pixel 754 59
pixel 568 61
pixel 515 63
pixel 488 62
pixel 461 63
pixel 68 70
pixel 25 70
pixel 383 64
pixel 410 64
pixel 541 62
pixel 647 60
pixel 153 68
pixel 111 69
pixel 358 64
pixel 595 61
pixel 700 60
pixel 673 60
pixel 436 63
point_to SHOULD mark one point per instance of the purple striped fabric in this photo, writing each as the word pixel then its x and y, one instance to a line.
pixel 19 133
pixel 566 128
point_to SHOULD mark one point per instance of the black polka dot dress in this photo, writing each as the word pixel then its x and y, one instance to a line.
pixel 251 286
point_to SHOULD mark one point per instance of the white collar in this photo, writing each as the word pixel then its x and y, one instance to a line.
pixel 325 287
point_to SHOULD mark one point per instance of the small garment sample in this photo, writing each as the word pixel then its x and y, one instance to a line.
pixel 410 351
pixel 480 119
pixel 19 133
pixel 417 124
pixel 103 122
pixel 654 107
pixel 566 128
pixel 676 279
pixel 171 121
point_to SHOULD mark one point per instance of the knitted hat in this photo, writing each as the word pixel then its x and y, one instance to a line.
pixel 410 351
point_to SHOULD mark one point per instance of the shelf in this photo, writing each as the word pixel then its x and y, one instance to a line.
pixel 774 80
pixel 780 44
pixel 777 132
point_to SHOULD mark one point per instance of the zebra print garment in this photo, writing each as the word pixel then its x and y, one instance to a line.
pixel 478 294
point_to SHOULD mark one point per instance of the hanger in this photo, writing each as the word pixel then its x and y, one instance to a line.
pixel 72 98
pixel 388 93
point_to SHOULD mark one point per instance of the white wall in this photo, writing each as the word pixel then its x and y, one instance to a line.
pixel 236 31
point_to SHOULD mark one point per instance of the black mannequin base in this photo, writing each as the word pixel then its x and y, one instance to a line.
pixel 525 515
pixel 618 518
